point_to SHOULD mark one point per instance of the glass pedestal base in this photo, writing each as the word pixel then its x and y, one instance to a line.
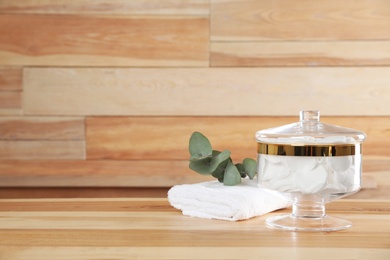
pixel 291 223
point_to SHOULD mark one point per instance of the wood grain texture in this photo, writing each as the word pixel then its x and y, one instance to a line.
pixel 306 53
pixel 201 91
pixel 10 79
pixel 60 62
pixel 134 7
pixel 70 40
pixel 49 150
pixel 152 229
pixel 202 253
pixel 42 128
pixel 376 185
pixel 96 173
pixel 166 138
pixel 237 20
pixel 82 192
pixel 147 173
pixel 10 102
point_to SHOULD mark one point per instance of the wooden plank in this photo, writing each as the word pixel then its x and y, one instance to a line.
pixel 119 206
pixel 83 192
pixel 50 150
pixel 343 53
pixel 10 79
pixel 380 189
pixel 134 7
pixel 10 102
pixel 201 91
pixel 42 128
pixel 167 138
pixel 59 40
pixel 30 218
pixel 10 99
pixel 142 173
pixel 244 20
pixel 187 253
pixel 103 228
pixel 97 173
pixel 373 164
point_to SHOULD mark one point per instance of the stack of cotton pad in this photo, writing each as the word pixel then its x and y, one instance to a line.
pixel 309 175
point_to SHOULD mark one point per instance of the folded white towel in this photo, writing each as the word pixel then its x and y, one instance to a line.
pixel 213 200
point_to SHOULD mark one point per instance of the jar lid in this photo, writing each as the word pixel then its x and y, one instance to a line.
pixel 310 137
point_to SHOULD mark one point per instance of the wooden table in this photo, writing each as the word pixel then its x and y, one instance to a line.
pixel 152 229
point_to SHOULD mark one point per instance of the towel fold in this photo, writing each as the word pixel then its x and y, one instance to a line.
pixel 213 200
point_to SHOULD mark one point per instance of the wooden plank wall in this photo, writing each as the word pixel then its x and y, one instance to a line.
pixel 107 93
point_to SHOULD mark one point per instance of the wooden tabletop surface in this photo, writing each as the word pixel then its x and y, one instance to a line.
pixel 140 228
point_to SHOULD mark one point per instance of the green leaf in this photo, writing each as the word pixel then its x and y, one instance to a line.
pixel 241 170
pixel 194 159
pixel 250 167
pixel 219 160
pixel 217 171
pixel 201 166
pixel 215 153
pixel 199 147
pixel 232 175
pixel 206 161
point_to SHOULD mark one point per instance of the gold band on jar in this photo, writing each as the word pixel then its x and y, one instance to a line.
pixel 309 150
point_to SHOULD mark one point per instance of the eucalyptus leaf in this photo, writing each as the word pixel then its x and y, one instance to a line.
pixel 206 161
pixel 220 160
pixel 241 170
pixel 250 167
pixel 218 165
pixel 218 173
pixel 215 152
pixel 200 158
pixel 201 166
pixel 232 175
pixel 199 147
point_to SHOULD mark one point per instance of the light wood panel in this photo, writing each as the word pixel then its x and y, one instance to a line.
pixel 243 20
pixel 307 53
pixel 42 128
pixel 10 79
pixel 60 62
pixel 97 173
pixel 10 102
pixel 167 137
pixel 70 40
pixel 187 253
pixel 10 91
pixel 138 7
pixel 29 138
pixel 152 229
pixel 83 192
pixel 30 150
pixel 197 91
pixel 376 185
pixel 145 173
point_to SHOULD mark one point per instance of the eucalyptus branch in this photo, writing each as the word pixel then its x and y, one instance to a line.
pixel 206 161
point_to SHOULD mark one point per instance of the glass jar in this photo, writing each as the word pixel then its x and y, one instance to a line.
pixel 311 164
